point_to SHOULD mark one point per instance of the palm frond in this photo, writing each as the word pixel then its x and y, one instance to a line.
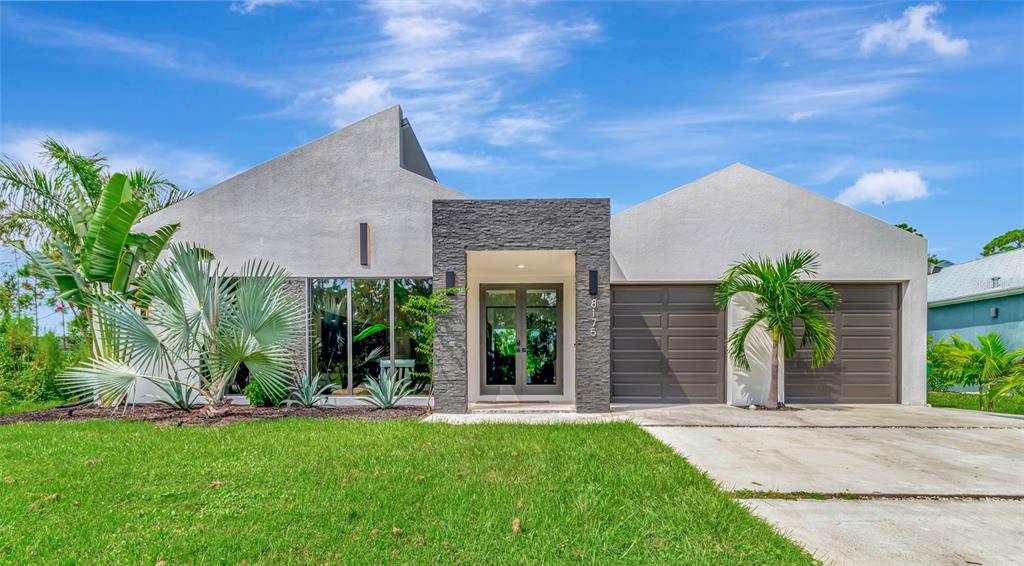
pixel 738 339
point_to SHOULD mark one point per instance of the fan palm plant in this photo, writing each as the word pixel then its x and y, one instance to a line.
pixel 990 366
pixel 782 297
pixel 199 328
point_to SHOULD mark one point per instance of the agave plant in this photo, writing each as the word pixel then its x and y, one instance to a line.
pixel 307 394
pixel 178 396
pixel 386 391
pixel 199 328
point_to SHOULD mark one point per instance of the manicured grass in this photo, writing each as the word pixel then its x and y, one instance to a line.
pixel 1004 404
pixel 26 407
pixel 305 491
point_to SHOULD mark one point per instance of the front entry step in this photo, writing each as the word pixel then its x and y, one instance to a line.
pixel 521 408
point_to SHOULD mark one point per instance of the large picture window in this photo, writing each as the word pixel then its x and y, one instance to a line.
pixel 329 331
pixel 359 331
pixel 371 322
pixel 410 359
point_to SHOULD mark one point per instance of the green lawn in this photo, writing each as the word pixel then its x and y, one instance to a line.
pixel 1004 404
pixel 305 491
pixel 27 406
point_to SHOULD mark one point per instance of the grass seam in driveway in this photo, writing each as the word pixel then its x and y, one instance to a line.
pixel 811 495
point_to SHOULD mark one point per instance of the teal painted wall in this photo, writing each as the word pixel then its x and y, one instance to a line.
pixel 969 320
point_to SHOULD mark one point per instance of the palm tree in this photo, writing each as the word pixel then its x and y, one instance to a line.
pixel 989 365
pixel 199 328
pixel 37 204
pixel 781 298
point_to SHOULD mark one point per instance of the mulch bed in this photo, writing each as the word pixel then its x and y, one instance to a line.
pixel 166 416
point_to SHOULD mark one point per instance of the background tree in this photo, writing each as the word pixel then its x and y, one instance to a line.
pixel 781 297
pixel 104 256
pixel 1012 240
pixel 36 204
pixel 990 365
pixel 932 258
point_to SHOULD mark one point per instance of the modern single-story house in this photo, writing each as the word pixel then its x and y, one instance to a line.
pixel 978 297
pixel 561 300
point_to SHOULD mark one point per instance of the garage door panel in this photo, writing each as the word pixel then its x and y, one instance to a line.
pixel 867 320
pixel 873 344
pixel 696 296
pixel 694 366
pixel 865 367
pixel 636 390
pixel 694 391
pixel 637 343
pixel 625 296
pixel 707 344
pixel 703 322
pixel 636 321
pixel 650 366
pixel 681 334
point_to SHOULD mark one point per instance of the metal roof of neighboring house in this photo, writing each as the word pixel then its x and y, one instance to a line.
pixel 973 280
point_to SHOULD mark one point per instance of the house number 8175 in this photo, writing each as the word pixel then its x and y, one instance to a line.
pixel 593 317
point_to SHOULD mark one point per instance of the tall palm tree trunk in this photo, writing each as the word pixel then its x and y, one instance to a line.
pixel 773 385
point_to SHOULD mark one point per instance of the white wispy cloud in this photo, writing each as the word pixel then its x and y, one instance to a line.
pixel 188 167
pixel 78 38
pixel 887 185
pixel 512 130
pixel 452 66
pixel 801 115
pixel 251 6
pixel 454 160
pixel 918 25
pixel 824 31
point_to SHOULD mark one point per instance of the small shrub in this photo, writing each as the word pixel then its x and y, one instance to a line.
pixel 258 398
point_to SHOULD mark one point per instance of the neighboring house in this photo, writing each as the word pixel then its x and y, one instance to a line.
pixel 978 297
pixel 564 302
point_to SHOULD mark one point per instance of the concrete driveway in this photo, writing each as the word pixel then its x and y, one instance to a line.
pixel 903 485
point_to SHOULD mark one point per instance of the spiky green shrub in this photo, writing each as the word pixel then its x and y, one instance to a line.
pixel 308 393
pixel 386 391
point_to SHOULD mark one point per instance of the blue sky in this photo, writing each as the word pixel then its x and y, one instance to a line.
pixel 909 112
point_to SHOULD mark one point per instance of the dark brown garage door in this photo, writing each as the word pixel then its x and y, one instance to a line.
pixel 865 368
pixel 668 344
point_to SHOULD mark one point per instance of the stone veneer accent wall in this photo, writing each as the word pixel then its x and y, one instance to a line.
pixel 300 347
pixel 582 225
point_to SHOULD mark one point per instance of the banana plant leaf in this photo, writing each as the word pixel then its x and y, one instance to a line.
pixel 68 283
pixel 115 193
pixel 158 241
pixel 127 265
pixel 81 214
pixel 100 262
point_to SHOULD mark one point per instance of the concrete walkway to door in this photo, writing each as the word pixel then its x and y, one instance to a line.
pixel 916 485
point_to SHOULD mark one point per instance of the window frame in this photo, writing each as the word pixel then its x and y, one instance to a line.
pixel 349 287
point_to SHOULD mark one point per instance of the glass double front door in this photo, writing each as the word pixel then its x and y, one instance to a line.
pixel 521 339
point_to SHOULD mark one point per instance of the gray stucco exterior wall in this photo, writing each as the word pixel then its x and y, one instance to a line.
pixel 299 348
pixel 694 233
pixel 582 225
